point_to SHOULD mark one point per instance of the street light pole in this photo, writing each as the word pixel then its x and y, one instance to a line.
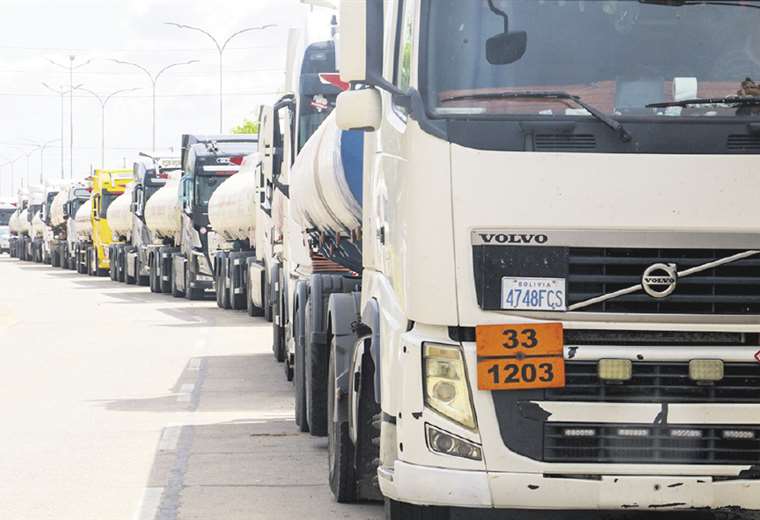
pixel 61 91
pixel 42 147
pixel 220 47
pixel 71 68
pixel 103 102
pixel 154 81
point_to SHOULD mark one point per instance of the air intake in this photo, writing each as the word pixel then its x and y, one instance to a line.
pixel 564 142
pixel 744 143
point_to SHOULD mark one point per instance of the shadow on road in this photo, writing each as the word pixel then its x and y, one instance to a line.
pixel 211 316
pixel 252 383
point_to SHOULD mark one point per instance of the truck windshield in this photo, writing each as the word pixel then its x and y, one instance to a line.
pixel 205 186
pixel 5 216
pixel 106 200
pixel 617 55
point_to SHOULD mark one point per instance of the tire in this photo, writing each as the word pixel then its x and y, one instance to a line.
pixel 299 374
pixel 267 297
pixel 89 262
pixel 174 289
pixel 339 448
pixel 367 452
pixel 278 330
pixel 219 281
pixel 155 278
pixel 224 285
pixel 114 271
pixel 142 281
pixel 237 287
pixel 55 258
pixel 167 269
pixel 190 293
pixel 401 511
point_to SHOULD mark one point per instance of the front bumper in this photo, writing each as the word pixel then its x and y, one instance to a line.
pixel 426 485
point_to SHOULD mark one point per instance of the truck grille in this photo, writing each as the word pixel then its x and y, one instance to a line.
pixel 651 444
pixel 660 383
pixel 731 289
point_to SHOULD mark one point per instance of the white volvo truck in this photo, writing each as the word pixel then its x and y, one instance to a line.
pixel 77 195
pixel 559 304
pixel 7 210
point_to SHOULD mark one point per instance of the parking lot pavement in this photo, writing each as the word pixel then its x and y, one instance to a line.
pixel 120 404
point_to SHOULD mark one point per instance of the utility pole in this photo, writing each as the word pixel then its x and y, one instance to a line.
pixel 103 102
pixel 154 81
pixel 220 47
pixel 61 91
pixel 71 68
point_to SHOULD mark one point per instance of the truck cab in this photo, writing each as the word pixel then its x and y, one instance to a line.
pixel 559 303
pixel 77 195
pixel 107 186
pixel 207 161
pixel 6 211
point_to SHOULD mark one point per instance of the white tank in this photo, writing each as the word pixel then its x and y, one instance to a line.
pixel 119 214
pixel 83 221
pixel 56 208
pixel 24 226
pixel 38 225
pixel 320 187
pixel 14 223
pixel 233 206
pixel 162 212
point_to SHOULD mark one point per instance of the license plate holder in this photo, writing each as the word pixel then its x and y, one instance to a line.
pixel 520 356
pixel 533 294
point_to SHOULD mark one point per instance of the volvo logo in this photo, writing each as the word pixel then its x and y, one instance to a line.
pixel 660 280
pixel 513 238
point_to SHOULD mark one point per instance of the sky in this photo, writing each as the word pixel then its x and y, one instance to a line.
pixel 35 32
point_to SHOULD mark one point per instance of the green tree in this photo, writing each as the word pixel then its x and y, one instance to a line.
pixel 247 127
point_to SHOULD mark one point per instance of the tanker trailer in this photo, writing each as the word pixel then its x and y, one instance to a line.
pixel 24 240
pixel 32 245
pixel 56 222
pixel 14 228
pixel 52 189
pixel 150 175
pixel 78 194
pixel 162 218
pixel 119 217
pixel 7 210
pixel 238 268
pixel 83 230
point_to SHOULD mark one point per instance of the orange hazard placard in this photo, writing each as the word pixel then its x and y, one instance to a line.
pixel 520 357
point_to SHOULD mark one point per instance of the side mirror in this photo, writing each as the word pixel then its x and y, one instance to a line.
pixel 359 110
pixel 506 48
pixel 361 43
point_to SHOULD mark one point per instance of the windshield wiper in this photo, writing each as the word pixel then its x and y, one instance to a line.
pixel 595 112
pixel 731 100
pixel 681 3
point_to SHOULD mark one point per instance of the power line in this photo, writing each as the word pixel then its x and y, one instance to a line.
pixel 102 49
pixel 226 94
pixel 106 73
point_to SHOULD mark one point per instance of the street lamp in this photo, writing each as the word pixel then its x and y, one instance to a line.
pixel 42 147
pixel 61 91
pixel 103 102
pixel 71 68
pixel 220 47
pixel 154 80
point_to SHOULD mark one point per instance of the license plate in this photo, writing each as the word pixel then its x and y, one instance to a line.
pixel 533 294
pixel 520 357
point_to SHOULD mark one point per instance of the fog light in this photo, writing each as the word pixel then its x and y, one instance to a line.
pixel 739 435
pixel 686 434
pixel 579 432
pixel 632 432
pixel 615 369
pixel 447 444
pixel 706 370
pixel 446 392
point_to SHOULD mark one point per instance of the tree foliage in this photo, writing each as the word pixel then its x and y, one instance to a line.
pixel 247 127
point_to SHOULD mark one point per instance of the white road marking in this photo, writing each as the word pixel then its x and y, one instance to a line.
pixel 185 393
pixel 169 438
pixel 150 503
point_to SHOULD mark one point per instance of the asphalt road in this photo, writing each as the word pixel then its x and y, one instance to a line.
pixel 119 404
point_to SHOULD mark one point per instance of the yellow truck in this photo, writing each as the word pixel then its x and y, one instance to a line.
pixel 107 186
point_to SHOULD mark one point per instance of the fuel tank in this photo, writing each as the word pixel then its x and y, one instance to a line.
pixel 232 208
pixel 326 179
pixel 119 214
pixel 83 221
pixel 162 212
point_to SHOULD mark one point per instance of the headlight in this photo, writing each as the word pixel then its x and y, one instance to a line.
pixel 446 387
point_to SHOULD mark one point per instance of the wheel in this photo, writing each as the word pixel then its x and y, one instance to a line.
pixel 237 291
pixel 367 451
pixel 224 286
pixel 299 372
pixel 190 293
pixel 267 297
pixel 90 272
pixel 174 289
pixel 316 357
pixel 278 314
pixel 219 282
pixel 339 447
pixel 166 270
pixel 121 275
pixel 55 258
pixel 401 511
pixel 155 277
pixel 114 271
